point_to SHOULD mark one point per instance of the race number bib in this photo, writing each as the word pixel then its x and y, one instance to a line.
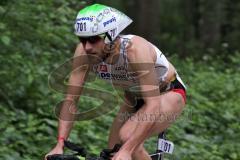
pixel 165 146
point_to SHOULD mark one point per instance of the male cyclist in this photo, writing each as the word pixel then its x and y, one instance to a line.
pixel 151 84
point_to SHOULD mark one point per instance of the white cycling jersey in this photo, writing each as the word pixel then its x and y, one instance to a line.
pixel 118 73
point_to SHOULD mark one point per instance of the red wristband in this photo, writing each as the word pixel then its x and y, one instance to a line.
pixel 60 138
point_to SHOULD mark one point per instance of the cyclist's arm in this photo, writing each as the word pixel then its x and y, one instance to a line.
pixel 142 63
pixel 76 82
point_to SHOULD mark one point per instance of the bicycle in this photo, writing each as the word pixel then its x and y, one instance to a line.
pixel 163 146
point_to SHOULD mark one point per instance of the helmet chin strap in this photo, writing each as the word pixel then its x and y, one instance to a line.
pixel 108 38
pixel 108 41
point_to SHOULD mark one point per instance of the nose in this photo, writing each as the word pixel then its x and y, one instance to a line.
pixel 88 47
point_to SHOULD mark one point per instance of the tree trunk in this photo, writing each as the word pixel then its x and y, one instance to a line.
pixel 190 35
pixel 145 14
pixel 210 23
pixel 148 19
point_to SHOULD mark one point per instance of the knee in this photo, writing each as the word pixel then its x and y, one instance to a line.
pixel 139 152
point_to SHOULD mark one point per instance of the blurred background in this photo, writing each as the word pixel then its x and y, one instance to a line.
pixel 200 37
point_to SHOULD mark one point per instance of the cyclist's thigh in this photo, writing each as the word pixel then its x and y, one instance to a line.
pixel 172 105
pixel 171 108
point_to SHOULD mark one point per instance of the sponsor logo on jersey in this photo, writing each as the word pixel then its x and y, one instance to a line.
pixel 103 68
pixel 118 68
pixel 110 76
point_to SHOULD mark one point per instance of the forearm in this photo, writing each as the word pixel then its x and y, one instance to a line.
pixel 66 118
pixel 67 113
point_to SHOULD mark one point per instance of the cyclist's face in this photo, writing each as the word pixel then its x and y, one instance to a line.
pixel 93 45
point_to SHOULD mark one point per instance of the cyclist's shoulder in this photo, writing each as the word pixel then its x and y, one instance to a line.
pixel 134 38
pixel 138 47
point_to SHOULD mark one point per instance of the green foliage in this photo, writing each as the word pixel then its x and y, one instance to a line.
pixel 213 101
pixel 35 37
pixel 209 125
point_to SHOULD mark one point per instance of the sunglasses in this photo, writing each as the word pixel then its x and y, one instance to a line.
pixel 92 39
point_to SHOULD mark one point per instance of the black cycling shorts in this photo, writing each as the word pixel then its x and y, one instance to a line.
pixel 175 86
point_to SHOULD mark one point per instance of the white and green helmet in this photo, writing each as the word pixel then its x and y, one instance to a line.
pixel 98 19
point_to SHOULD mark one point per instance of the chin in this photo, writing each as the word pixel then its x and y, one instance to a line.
pixel 95 58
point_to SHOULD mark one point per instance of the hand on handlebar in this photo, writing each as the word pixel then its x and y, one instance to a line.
pixel 58 149
pixel 57 152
